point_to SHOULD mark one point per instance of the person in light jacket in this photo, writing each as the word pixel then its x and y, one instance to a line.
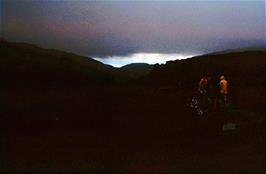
pixel 223 88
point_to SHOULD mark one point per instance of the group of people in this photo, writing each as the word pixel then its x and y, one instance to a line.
pixel 212 94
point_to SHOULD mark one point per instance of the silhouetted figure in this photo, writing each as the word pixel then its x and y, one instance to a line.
pixel 203 85
pixel 202 91
pixel 223 89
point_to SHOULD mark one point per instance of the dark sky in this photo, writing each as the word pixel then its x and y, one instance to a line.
pixel 108 28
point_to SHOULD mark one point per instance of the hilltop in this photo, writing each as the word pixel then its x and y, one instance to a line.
pixel 134 71
pixel 28 64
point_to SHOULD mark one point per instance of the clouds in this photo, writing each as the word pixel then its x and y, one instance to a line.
pixel 123 27
pixel 150 58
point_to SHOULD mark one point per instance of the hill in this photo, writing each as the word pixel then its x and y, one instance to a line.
pixel 245 49
pixel 238 66
pixel 61 113
pixel 245 72
pixel 134 71
pixel 28 64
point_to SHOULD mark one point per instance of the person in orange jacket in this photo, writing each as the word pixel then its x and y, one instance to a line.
pixel 223 88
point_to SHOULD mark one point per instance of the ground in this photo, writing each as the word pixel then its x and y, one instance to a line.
pixel 125 129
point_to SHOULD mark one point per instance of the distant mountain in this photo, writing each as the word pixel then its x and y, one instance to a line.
pixel 251 48
pixel 27 64
pixel 134 71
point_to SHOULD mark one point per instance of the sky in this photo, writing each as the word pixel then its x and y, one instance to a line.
pixel 123 29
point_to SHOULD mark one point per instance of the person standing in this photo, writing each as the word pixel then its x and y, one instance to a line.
pixel 223 88
pixel 202 88
pixel 202 91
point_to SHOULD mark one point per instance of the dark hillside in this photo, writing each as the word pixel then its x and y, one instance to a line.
pixel 23 63
pixel 245 72
pixel 134 71
pixel 65 113
pixel 27 64
pixel 240 67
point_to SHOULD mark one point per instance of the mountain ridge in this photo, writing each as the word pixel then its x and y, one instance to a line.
pixel 30 59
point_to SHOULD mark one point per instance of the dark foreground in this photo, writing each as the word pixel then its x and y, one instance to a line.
pixel 125 129
pixel 65 113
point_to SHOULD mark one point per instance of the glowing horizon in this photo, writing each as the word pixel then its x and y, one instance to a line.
pixel 104 28
pixel 149 58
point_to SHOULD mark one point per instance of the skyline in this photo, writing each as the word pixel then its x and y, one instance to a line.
pixel 107 29
pixel 149 58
